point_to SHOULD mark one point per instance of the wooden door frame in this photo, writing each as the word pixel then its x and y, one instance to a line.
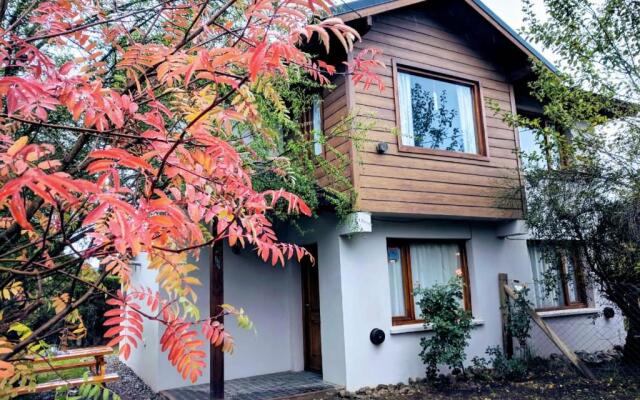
pixel 313 249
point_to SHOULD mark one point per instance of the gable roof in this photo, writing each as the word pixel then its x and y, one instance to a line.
pixel 349 11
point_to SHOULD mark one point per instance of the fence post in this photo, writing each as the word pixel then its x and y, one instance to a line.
pixel 507 339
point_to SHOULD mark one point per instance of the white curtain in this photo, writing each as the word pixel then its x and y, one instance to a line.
pixel 572 286
pixel 317 127
pixel 395 282
pixel 433 263
pixel 465 107
pixel 539 267
pixel 406 109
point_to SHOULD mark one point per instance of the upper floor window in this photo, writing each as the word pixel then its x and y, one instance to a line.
pixel 438 112
pixel 421 264
pixel 558 281
pixel 535 149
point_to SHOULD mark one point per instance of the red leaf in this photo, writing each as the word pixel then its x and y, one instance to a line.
pixel 16 206
pixel 112 312
pixel 115 340
pixel 66 67
pixel 125 351
pixel 95 214
pixel 113 331
pixel 113 321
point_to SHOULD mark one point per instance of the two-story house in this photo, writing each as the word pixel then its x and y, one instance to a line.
pixel 437 184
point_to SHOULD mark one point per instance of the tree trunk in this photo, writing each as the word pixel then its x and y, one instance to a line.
pixel 632 343
pixel 627 297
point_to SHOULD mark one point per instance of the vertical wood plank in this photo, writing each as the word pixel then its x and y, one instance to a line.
pixel 507 339
pixel 216 293
pixel 350 93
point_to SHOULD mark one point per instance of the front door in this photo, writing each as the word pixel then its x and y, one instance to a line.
pixel 311 313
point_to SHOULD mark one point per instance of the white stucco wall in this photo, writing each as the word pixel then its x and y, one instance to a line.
pixel 354 299
pixel 271 297
pixel 144 359
pixel 366 301
pixel 367 305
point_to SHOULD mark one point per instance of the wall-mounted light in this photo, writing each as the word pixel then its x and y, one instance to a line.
pixel 608 312
pixel 382 147
pixel 376 336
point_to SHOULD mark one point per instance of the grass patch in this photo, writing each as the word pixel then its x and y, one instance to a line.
pixel 70 373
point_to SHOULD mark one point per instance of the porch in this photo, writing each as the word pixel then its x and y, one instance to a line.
pixel 281 385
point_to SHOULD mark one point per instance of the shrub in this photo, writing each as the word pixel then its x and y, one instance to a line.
pixel 519 320
pixel 442 311
pixel 498 366
pixel 514 368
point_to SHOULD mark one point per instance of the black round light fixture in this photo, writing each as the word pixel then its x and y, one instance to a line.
pixel 608 312
pixel 376 336
pixel 382 147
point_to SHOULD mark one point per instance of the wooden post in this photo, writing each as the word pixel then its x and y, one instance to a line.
pixel 507 339
pixel 216 298
pixel 575 360
pixel 100 366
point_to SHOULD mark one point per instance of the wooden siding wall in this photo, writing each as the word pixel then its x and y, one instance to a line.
pixel 409 183
pixel 334 110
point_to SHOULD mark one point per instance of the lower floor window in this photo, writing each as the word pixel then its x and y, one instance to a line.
pixel 557 274
pixel 421 264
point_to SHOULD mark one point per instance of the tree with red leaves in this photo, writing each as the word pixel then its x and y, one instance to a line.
pixel 119 138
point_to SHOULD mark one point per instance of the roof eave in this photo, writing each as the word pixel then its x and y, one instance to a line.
pixel 360 9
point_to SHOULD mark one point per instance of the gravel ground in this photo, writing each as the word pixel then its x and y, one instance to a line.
pixel 533 390
pixel 560 382
pixel 129 386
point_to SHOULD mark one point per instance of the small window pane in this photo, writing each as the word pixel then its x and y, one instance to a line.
pixel 572 286
pixel 394 260
pixel 436 114
pixel 317 127
pixel 433 263
pixel 534 154
pixel 546 279
pixel 537 154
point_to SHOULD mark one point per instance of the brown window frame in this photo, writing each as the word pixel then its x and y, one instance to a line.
pixel 478 107
pixel 581 286
pixel 407 288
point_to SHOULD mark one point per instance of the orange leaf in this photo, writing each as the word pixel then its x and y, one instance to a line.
pixel 6 370
pixel 161 220
pixel 17 146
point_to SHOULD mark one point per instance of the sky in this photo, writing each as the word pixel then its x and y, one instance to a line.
pixel 511 12
pixel 508 10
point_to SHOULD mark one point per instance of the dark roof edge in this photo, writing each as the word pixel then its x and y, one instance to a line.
pixel 355 6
